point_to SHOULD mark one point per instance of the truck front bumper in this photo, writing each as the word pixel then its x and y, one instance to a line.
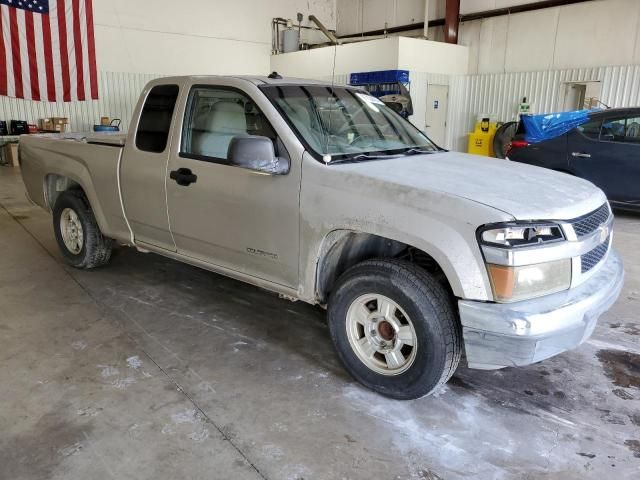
pixel 498 335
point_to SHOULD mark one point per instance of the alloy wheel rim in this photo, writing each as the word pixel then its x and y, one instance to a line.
pixel 381 334
pixel 71 230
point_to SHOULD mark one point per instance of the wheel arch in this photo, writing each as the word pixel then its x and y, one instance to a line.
pixel 55 184
pixel 341 249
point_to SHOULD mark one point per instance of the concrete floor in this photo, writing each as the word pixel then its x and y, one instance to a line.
pixel 149 368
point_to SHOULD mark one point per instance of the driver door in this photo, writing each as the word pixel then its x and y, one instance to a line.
pixel 228 216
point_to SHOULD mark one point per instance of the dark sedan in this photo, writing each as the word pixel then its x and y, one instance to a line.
pixel 605 150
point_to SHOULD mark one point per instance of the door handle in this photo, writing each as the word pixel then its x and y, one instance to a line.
pixel 581 155
pixel 183 176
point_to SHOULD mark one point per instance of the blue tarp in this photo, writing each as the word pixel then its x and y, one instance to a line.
pixel 550 125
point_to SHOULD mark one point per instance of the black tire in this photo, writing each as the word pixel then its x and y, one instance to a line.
pixel 431 310
pixel 96 248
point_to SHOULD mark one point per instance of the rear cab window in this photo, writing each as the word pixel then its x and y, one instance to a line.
pixel 155 119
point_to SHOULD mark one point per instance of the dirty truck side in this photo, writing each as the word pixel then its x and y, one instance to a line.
pixel 324 194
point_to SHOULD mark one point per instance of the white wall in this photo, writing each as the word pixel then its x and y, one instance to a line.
pixel 318 63
pixel 357 16
pixel 433 57
pixel 195 36
pixel 383 54
pixel 474 6
pixel 596 33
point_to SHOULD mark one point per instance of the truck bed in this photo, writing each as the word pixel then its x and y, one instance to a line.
pixel 52 162
pixel 115 139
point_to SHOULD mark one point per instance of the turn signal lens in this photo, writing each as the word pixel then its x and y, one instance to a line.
pixel 511 284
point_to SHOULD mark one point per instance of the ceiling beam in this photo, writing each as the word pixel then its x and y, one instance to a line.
pixel 451 21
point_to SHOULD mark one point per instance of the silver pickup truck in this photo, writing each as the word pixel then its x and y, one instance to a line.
pixel 324 194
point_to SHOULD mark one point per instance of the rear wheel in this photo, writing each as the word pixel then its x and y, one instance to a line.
pixel 395 329
pixel 77 233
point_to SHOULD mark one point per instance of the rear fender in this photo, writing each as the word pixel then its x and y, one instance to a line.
pixel 78 178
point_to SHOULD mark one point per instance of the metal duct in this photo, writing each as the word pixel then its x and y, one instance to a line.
pixel 332 38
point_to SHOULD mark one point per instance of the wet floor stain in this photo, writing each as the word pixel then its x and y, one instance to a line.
pixel 21 217
pixel 635 419
pixel 588 455
pixel 612 418
pixel 38 452
pixel 460 383
pixel 628 328
pixel 623 368
pixel 634 446
pixel 623 394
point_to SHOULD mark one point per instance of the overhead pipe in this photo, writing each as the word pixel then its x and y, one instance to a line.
pixel 284 21
pixel 425 24
pixel 519 9
pixel 276 22
pixel 451 21
pixel 325 30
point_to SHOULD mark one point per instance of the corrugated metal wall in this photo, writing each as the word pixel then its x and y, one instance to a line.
pixel 499 94
pixel 469 96
pixel 119 93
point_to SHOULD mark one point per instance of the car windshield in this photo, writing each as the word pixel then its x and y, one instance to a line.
pixel 345 123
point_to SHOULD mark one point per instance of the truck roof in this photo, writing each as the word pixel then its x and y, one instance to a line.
pixel 255 79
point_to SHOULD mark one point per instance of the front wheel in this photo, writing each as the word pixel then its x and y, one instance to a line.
pixel 394 327
pixel 79 237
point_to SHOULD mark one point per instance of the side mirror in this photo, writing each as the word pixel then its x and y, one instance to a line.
pixel 256 153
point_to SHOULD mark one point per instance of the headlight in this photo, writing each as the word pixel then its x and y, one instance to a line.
pixel 521 235
pixel 512 283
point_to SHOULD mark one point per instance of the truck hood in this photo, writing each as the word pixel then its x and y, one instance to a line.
pixel 523 191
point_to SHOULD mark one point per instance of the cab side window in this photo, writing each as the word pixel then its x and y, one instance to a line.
pixel 591 129
pixel 626 130
pixel 155 120
pixel 214 116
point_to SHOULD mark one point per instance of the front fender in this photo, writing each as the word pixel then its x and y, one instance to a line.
pixel 459 259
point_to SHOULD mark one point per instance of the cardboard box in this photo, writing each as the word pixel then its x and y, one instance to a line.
pixel 57 124
pixel 45 124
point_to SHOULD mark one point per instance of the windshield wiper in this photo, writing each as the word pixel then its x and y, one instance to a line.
pixel 359 157
pixel 417 151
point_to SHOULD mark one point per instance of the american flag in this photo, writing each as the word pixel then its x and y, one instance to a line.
pixel 47 50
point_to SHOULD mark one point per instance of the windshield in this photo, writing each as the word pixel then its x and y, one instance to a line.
pixel 345 123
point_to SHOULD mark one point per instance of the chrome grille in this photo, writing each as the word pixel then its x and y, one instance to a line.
pixel 593 257
pixel 590 222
